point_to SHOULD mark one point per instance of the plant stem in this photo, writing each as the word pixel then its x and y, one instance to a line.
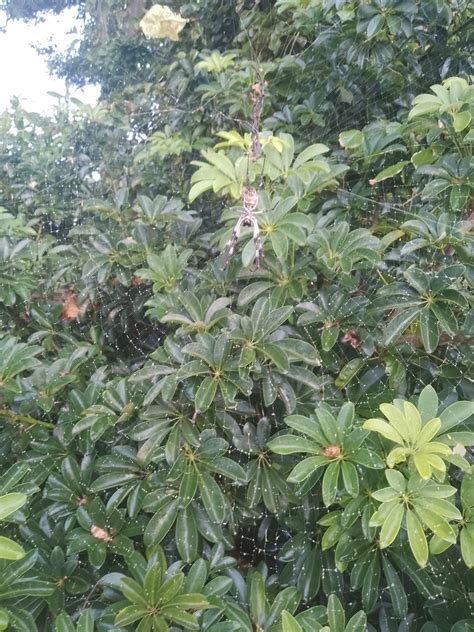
pixel 23 419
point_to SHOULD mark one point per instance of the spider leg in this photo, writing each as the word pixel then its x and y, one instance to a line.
pixel 257 242
pixel 230 245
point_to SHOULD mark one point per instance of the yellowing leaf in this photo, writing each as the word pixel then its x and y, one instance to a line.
pixel 277 143
pixel 397 419
pixel 160 21
pixel 385 429
pixel 413 417
pixel 428 431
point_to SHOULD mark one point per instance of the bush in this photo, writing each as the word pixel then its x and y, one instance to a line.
pixel 194 441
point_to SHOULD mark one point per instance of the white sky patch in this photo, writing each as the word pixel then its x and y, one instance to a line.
pixel 24 72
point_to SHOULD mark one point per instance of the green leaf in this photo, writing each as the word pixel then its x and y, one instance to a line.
pixel 383 428
pixel 416 538
pixel 351 139
pixel 336 616
pixel 279 243
pixel 455 414
pixel 161 523
pixel 133 592
pixel 10 503
pixel 357 623
pixel 258 600
pixel 307 426
pixel 429 329
pixel 4 619
pixel 212 498
pixel 289 623
pixel 184 619
pixel 349 371
pixel 205 394
pixel 461 120
pixel 330 480
pixel 196 601
pixel 436 523
pixel 276 355
pixel 367 458
pixel 467 489
pixel 85 622
pixel 370 585
pixel 286 600
pixel 63 623
pixel 446 317
pixel 350 478
pixel 169 589
pixel 395 588
pixel 10 550
pixel 229 468
pixel 329 337
pixel 389 172
pixel 345 417
pixel 290 444
pixel 188 485
pixel 304 469
pixel 417 279
pixel 152 583
pixel 186 535
pixel 391 526
pixel 129 615
pixel 396 480
pixel 428 403
pixel 375 25
pixel 399 324
pixel 467 545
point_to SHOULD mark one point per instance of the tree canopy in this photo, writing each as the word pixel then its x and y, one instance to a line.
pixel 237 322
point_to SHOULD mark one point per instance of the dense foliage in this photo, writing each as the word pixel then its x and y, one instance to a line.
pixel 194 444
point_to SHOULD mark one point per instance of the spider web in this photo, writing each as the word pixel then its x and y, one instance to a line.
pixel 262 537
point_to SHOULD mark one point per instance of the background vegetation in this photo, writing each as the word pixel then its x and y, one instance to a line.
pixel 193 445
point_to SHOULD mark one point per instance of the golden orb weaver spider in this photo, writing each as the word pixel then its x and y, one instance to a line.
pixel 247 218
pixel 249 195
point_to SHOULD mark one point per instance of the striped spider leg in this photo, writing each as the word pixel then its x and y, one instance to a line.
pixel 247 218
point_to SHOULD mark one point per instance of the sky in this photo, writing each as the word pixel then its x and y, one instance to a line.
pixel 24 73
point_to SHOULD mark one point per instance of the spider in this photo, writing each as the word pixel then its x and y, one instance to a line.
pixel 247 218
pixel 250 194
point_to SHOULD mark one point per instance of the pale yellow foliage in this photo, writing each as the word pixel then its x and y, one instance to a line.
pixel 160 21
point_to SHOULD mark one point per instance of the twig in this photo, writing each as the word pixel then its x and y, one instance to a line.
pixel 444 339
pixel 24 419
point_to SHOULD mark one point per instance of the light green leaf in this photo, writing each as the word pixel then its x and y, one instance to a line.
pixel 461 120
pixel 351 139
pixel 416 538
pixel 10 503
pixel 389 172
pixel 289 623
pixel 10 550
pixel 383 428
pixel 391 526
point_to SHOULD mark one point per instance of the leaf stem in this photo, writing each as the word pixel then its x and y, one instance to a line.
pixel 24 419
